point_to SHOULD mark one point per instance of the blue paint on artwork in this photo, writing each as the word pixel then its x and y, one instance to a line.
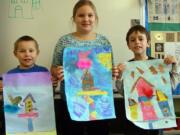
pixel 106 109
pixel 11 109
pixel 165 109
pixel 88 82
pixel 30 124
pixel 79 109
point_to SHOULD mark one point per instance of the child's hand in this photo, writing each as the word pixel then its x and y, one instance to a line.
pixel 1 86
pixel 59 73
pixel 169 60
pixel 54 81
pixel 115 72
pixel 121 68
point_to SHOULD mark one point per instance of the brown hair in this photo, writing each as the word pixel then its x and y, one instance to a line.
pixel 25 38
pixel 81 3
pixel 137 28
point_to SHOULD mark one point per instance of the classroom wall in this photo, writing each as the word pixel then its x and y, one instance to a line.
pixel 47 20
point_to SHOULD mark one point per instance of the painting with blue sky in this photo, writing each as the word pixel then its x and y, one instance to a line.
pixel 148 95
pixel 88 82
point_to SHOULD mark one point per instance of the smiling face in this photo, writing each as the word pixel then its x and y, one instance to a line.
pixel 137 43
pixel 85 19
pixel 26 53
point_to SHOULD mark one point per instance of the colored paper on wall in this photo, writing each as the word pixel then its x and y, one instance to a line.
pixel 148 95
pixel 28 103
pixel 88 82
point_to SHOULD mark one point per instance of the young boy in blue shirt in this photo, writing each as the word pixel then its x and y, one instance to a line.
pixel 26 50
pixel 138 39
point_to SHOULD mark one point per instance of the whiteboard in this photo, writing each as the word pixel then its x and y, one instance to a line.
pixel 48 20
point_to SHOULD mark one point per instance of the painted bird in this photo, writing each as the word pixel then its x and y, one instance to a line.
pixel 16 100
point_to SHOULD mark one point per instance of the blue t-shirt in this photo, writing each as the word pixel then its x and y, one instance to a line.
pixel 35 68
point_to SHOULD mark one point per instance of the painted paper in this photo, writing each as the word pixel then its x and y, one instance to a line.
pixel 148 95
pixel 28 104
pixel 88 83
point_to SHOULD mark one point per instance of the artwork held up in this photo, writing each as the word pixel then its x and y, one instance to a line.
pixel 148 95
pixel 88 82
pixel 28 104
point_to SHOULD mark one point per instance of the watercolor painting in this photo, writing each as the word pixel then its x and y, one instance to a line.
pixel 88 82
pixel 148 95
pixel 28 103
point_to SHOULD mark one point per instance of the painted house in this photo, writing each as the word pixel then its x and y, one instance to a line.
pixel 29 100
pixel 145 90
pixel 162 99
pixel 22 8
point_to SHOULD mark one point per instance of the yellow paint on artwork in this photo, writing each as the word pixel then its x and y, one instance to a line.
pixel 93 114
pixel 161 96
pixel 134 111
pixel 147 103
pixel 35 133
pixel 92 93
pixel 105 59
pixel 89 100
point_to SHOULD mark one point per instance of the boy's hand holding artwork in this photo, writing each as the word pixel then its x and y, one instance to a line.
pixel 170 60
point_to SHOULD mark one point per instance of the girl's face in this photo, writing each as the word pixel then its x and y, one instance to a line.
pixel 26 53
pixel 85 19
pixel 138 43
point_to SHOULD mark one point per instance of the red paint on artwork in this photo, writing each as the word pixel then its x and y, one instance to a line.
pixel 84 62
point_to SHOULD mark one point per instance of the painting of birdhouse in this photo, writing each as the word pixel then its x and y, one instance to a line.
pixel 148 96
pixel 88 82
pixel 29 100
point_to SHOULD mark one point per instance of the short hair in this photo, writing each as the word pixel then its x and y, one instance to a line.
pixel 81 3
pixel 137 28
pixel 25 38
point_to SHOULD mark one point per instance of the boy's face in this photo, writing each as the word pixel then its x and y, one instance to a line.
pixel 138 43
pixel 26 53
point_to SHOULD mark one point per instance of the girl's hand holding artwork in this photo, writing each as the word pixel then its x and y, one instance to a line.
pixel 54 81
pixel 59 73
pixel 170 60
pixel 115 72
pixel 121 68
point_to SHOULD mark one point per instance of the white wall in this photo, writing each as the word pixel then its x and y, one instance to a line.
pixel 53 19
